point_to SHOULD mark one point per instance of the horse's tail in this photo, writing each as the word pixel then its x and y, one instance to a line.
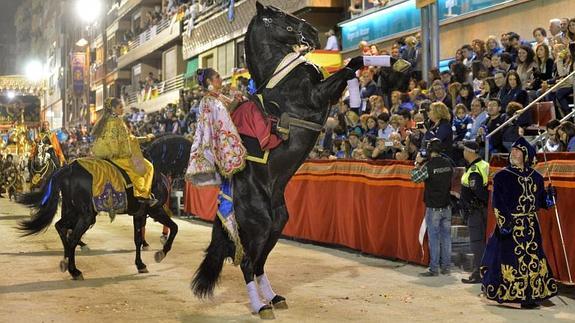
pixel 208 273
pixel 45 204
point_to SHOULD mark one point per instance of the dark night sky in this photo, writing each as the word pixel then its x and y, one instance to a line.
pixel 7 28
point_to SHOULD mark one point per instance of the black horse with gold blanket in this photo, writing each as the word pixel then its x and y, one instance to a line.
pixel 169 154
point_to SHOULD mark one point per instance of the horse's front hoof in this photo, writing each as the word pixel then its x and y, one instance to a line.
pixel 63 265
pixel 279 303
pixel 146 247
pixel 78 277
pixel 85 248
pixel 143 270
pixel 266 313
pixel 159 256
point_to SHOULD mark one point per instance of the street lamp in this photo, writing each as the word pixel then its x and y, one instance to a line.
pixel 34 71
pixel 88 10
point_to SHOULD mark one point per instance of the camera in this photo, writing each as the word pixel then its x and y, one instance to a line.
pixel 423 153
pixel 420 125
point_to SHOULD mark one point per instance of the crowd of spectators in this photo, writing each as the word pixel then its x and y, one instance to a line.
pixel 487 82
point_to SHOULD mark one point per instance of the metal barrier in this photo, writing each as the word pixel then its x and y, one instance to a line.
pixel 150 33
pixel 135 96
pixel 520 112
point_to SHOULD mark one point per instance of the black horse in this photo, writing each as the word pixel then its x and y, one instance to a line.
pixel 169 154
pixel 258 191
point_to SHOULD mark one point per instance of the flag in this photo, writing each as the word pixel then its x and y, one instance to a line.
pixel 231 11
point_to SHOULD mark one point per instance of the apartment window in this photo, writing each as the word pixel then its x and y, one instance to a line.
pixel 226 59
pixel 208 61
pixel 241 55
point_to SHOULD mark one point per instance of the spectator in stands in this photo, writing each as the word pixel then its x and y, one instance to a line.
pixel 411 147
pixel 495 63
pixel 384 128
pixel 412 54
pixel 540 36
pixel 436 172
pixel 513 91
pixel 526 66
pixel 468 55
pixel 462 121
pixel 556 36
pixel 504 41
pixel 479 116
pixel 478 46
pixel 395 101
pixel 331 41
pixel 439 94
pixel 372 126
pixel 354 142
pixel 488 89
pixel 405 123
pixel 566 134
pixel 441 129
pixel 544 66
pixel 551 142
pixel 570 33
pixel 367 89
pixel 377 106
pixel 563 67
pixel 355 8
pixel 466 95
pixel 445 78
pixel 514 43
pixel 513 130
pixel 507 62
pixel 564 25
pixel 496 119
pixel 492 46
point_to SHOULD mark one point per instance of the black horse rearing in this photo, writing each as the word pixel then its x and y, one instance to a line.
pixel 258 196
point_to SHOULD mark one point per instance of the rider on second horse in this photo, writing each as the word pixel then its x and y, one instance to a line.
pixel 113 141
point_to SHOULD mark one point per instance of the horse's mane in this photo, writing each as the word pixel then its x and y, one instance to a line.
pixel 169 154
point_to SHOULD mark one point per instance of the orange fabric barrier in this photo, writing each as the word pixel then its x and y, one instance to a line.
pixel 373 207
pixel 201 201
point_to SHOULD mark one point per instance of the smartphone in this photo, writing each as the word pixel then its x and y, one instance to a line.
pixel 388 143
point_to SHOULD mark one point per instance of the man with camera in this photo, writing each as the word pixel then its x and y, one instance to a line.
pixel 474 197
pixel 436 171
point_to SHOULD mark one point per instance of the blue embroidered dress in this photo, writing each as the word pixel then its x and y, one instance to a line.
pixel 514 268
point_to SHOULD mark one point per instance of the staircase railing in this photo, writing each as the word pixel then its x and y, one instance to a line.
pixel 529 106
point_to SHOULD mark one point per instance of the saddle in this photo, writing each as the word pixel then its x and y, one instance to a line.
pixel 109 185
pixel 260 132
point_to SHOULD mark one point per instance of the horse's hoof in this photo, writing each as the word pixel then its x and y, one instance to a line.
pixel 159 256
pixel 146 247
pixel 266 313
pixel 143 270
pixel 78 277
pixel 85 248
pixel 63 265
pixel 279 303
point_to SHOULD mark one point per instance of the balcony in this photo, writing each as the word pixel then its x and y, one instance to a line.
pixel 211 27
pixel 151 40
pixel 97 73
pixel 156 97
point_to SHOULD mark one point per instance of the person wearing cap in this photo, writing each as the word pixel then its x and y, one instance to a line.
pixel 331 41
pixel 436 171
pixel 474 197
pixel 514 269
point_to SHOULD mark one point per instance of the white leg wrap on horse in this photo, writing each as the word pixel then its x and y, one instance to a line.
pixel 354 97
pixel 265 287
pixel 255 300
pixel 380 60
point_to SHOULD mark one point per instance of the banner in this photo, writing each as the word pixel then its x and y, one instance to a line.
pixel 78 62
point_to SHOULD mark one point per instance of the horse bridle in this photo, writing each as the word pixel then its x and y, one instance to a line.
pixel 301 39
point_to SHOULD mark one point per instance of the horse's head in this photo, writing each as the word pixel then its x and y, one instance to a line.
pixel 286 28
